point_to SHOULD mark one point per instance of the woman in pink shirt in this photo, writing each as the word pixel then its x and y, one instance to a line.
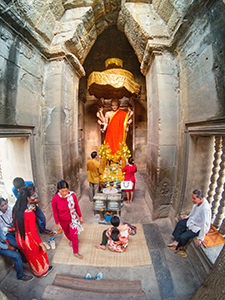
pixel 67 214
pixel 129 170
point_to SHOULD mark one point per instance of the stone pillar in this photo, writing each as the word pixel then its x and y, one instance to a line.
pixel 160 68
pixel 60 125
pixel 213 287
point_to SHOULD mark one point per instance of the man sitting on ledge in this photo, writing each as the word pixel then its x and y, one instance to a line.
pixel 197 224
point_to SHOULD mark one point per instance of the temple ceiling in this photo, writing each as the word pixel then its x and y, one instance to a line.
pixel 71 27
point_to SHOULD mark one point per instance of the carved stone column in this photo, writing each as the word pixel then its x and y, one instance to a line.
pixel 222 227
pixel 221 210
pixel 215 169
pixel 220 180
pixel 220 213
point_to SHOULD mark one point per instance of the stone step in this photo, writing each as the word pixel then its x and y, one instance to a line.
pixel 58 293
pixel 114 286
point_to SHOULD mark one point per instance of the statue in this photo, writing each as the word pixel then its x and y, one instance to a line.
pixel 114 151
pixel 116 124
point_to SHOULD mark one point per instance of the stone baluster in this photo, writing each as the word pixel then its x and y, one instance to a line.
pixel 215 169
pixel 222 227
pixel 221 210
pixel 220 181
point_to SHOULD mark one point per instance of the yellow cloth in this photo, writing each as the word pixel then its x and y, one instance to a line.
pixel 213 238
pixel 93 171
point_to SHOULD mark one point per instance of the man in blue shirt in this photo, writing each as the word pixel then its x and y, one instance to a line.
pixel 18 184
pixel 8 248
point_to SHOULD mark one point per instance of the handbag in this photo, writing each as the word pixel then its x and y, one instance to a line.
pixel 133 228
pixel 127 185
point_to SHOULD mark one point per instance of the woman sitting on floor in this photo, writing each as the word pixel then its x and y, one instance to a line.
pixel 116 236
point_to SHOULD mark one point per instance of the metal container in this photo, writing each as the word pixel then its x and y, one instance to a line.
pixel 100 196
pixel 114 197
pixel 99 205
pixel 113 205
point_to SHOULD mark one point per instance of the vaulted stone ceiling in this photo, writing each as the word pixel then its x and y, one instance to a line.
pixel 71 27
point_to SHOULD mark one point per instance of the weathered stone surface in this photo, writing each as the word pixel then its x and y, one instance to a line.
pixel 168 156
pixel 148 19
pixel 39 15
pixel 81 42
pixel 72 31
pixel 32 10
pixel 78 13
pixel 173 20
pixel 68 4
pixel 213 287
pixel 46 25
pixel 165 10
pixel 56 8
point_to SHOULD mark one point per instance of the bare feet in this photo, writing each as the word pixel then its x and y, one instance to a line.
pixel 70 243
pixel 175 243
pixel 100 247
pixel 78 255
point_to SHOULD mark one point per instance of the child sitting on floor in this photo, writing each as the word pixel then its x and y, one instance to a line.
pixel 116 236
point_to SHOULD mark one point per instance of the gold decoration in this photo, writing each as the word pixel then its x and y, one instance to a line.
pixel 113 83
pixel 111 165
pixel 113 63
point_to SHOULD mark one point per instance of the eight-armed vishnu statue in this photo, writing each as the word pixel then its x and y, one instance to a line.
pixel 116 124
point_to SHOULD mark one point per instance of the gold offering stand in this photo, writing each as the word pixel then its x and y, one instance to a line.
pixel 111 197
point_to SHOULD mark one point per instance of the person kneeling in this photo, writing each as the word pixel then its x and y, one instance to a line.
pixel 116 237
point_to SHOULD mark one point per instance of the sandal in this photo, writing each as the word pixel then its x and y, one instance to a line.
pixel 172 247
pixel 99 276
pixel 182 253
pixel 46 245
pixel 78 255
pixel 52 242
pixel 88 276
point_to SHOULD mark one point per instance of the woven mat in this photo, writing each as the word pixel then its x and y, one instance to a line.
pixel 136 254
pixel 213 238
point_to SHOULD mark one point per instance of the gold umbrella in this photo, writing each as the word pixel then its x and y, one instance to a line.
pixel 114 82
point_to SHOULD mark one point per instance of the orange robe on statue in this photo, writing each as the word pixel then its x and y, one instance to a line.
pixel 116 133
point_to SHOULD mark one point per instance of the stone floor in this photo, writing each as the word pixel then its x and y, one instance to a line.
pixel 169 277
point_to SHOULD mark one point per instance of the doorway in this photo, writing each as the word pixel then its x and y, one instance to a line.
pixel 15 161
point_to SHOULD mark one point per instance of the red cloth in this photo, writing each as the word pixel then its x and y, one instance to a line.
pixel 115 133
pixel 129 175
pixel 37 259
pixel 71 235
pixel 62 216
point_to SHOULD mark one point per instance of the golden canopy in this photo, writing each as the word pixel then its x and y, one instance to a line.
pixel 114 82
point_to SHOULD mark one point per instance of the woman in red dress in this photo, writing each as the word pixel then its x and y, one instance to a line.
pixel 129 170
pixel 67 214
pixel 27 237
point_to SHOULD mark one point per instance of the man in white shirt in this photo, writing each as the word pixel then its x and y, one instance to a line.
pixel 6 220
pixel 197 224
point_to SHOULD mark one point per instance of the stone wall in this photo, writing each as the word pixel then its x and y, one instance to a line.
pixel 162 97
pixel 41 95
pixel 201 52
